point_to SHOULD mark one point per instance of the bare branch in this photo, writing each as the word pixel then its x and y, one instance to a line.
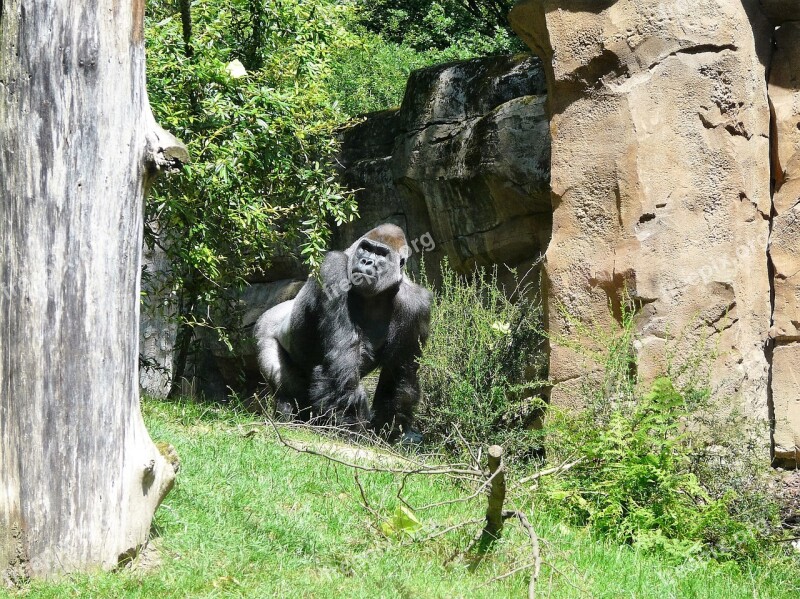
pixel 535 550
pixel 475 459
pixel 555 470
pixel 506 575
pixel 365 502
pixel 421 469
pixel 489 481
pixel 452 528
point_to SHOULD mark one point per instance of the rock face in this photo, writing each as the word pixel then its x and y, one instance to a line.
pixel 463 164
pixel 673 188
pixel 660 184
pixel 784 248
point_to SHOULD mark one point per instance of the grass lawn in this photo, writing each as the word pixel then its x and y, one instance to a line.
pixel 251 518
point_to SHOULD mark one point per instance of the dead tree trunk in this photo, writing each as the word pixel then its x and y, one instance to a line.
pixel 80 478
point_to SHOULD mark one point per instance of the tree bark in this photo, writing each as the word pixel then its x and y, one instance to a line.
pixel 80 477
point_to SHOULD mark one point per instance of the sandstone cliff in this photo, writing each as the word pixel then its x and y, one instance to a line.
pixel 661 188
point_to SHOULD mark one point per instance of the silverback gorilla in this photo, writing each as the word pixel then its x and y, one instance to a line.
pixel 362 312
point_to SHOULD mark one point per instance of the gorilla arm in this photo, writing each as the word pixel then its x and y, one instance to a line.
pixel 398 391
pixel 335 390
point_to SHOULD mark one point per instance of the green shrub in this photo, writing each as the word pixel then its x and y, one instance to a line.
pixel 371 74
pixel 480 367
pixel 646 475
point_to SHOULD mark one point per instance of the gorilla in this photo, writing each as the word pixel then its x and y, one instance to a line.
pixel 360 313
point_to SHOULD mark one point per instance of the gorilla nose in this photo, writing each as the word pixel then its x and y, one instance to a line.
pixel 367 262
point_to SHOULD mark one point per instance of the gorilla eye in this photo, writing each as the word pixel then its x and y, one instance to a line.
pixel 374 248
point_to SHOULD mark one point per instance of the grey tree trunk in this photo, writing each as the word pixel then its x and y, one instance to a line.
pixel 80 477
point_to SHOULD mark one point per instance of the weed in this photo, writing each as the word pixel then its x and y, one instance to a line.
pixel 480 369
pixel 664 467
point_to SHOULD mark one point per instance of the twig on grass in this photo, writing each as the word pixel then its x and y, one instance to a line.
pixel 488 482
pixel 444 531
pixel 507 575
pixel 494 480
pixel 365 504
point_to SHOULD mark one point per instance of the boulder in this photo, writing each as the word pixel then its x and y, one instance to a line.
pixel 660 186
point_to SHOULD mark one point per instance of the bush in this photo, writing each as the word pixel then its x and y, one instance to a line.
pixel 647 476
pixel 481 368
pixel 371 75
pixel 244 89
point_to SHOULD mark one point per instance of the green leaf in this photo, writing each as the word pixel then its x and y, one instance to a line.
pixel 403 522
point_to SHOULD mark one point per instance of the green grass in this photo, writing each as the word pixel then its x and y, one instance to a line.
pixel 251 518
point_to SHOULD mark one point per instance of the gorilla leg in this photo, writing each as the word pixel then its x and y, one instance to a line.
pixel 398 391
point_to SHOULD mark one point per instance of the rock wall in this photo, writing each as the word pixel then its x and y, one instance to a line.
pixel 784 248
pixel 676 177
pixel 660 183
pixel 674 185
pixel 465 161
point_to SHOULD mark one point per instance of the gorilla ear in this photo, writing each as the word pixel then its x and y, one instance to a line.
pixel 404 252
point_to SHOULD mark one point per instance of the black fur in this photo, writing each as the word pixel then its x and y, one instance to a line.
pixel 361 313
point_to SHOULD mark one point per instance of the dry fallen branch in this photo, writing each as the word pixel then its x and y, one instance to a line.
pixel 535 550
pixel 549 471
pixel 444 531
pixel 489 481
pixel 508 574
pixel 419 469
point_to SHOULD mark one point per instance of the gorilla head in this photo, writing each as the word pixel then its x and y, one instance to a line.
pixel 377 260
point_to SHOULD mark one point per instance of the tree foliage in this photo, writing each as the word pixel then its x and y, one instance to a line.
pixel 479 25
pixel 258 138
pixel 242 83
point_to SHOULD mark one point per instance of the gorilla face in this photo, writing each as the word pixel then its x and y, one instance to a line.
pixel 377 259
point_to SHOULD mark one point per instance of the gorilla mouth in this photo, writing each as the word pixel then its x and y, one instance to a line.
pixel 359 278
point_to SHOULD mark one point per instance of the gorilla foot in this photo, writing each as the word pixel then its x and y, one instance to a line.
pixel 285 411
pixel 410 438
